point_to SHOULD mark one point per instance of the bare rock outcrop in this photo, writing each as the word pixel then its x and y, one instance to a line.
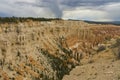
pixel 48 50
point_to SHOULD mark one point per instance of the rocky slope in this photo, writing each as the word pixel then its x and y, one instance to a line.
pixel 47 50
pixel 105 65
pixel 99 70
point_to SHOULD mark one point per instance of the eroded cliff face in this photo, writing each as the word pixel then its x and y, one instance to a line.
pixel 48 50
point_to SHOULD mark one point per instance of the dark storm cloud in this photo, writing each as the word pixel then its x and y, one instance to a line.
pixel 75 3
pixel 52 5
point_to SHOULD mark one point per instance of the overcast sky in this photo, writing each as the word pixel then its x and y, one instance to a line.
pixel 96 10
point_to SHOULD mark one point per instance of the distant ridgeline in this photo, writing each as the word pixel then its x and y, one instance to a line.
pixel 106 22
pixel 22 19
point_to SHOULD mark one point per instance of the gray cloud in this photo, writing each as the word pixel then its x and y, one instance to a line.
pixel 113 11
pixel 75 3
pixel 52 5
pixel 74 9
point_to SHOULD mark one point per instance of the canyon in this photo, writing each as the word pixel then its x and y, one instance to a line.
pixel 48 50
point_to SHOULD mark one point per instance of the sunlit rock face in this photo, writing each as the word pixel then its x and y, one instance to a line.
pixel 47 50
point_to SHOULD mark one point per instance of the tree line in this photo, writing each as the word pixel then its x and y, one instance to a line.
pixel 23 19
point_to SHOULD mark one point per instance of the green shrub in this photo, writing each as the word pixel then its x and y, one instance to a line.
pixel 116 48
pixel 118 53
pixel 101 48
pixel 117 44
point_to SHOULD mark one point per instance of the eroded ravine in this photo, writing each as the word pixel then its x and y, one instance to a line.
pixel 48 50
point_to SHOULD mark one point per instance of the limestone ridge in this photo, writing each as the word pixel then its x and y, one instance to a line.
pixel 47 50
